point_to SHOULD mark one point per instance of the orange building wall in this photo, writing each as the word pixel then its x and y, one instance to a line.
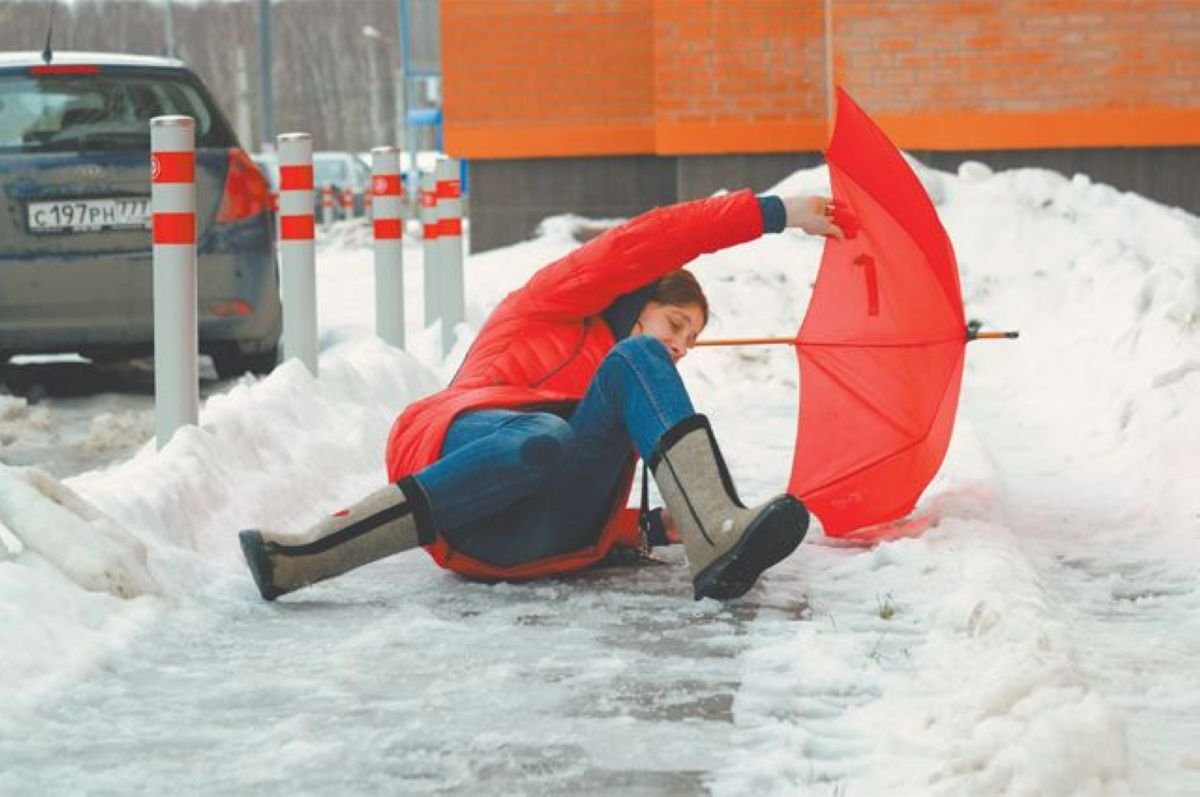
pixel 533 78
pixel 1024 73
pixel 548 77
pixel 738 76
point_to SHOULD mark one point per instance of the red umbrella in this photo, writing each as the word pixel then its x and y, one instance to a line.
pixel 881 347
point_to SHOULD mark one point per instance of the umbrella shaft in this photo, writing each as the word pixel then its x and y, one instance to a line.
pixel 747 342
pixel 792 341
pixel 994 336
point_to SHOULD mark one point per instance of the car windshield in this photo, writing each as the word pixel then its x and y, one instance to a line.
pixel 65 112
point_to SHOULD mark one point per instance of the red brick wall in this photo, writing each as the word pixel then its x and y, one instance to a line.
pixel 1024 72
pixel 528 78
pixel 733 75
pixel 552 77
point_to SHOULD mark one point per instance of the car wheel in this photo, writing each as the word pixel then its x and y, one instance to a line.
pixel 231 362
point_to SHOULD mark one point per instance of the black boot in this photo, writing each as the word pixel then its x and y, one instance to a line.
pixel 393 519
pixel 728 546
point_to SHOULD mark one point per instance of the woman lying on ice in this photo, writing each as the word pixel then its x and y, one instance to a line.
pixel 522 467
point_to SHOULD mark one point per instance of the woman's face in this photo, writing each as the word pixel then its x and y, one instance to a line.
pixel 676 325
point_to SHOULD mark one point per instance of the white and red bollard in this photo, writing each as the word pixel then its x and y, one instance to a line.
pixel 448 176
pixel 427 202
pixel 347 203
pixel 388 225
pixel 327 206
pixel 173 225
pixel 297 253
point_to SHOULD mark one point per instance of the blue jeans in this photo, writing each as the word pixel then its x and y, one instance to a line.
pixel 514 486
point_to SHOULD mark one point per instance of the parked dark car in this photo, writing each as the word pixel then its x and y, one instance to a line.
pixel 75 251
pixel 268 164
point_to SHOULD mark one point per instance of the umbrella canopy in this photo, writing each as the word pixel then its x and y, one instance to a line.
pixel 881 347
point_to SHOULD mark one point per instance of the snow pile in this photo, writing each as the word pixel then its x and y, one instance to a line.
pixel 20 422
pixel 85 545
pixel 113 430
pixel 1105 288
pixel 72 433
pixel 277 448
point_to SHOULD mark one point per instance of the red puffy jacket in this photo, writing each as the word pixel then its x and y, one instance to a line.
pixel 544 342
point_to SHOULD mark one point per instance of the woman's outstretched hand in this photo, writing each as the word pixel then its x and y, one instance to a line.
pixel 813 214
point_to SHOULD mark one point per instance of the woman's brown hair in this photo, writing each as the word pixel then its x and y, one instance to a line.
pixel 681 287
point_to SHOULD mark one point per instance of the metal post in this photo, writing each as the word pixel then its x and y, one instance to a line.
pixel 388 225
pixel 297 254
pixel 371 32
pixel 377 87
pixel 176 337
pixel 449 213
pixel 431 250
pixel 410 141
pixel 169 28
pixel 264 70
pixel 243 116
pixel 399 100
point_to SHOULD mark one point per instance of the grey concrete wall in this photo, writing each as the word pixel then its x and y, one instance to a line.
pixel 703 175
pixel 510 197
pixel 1164 174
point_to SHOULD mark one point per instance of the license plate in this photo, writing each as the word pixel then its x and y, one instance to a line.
pixel 86 215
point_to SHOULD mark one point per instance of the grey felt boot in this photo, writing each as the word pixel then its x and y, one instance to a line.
pixel 728 545
pixel 393 519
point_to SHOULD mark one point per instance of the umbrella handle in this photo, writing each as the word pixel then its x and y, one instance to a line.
pixel 974 334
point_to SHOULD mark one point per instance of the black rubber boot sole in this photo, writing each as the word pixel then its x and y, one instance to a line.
pixel 772 536
pixel 259 561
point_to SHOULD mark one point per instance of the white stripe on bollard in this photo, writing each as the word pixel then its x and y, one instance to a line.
pixel 432 252
pixel 297 255
pixel 388 225
pixel 449 214
pixel 176 335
